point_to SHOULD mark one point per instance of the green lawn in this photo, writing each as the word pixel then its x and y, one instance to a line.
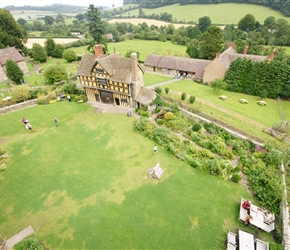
pixel 144 47
pixel 151 79
pixel 83 185
pixel 36 79
pixel 232 111
pixel 234 12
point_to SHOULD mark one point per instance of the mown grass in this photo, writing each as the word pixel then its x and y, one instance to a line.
pixel 86 179
pixel 235 12
pixel 34 78
pixel 144 47
pixel 151 79
pixel 226 110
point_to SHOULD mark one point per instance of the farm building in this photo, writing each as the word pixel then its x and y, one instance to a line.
pixel 219 66
pixel 193 68
pixel 114 79
pixel 198 69
pixel 15 56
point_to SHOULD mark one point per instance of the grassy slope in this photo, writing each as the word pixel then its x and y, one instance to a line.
pixel 86 180
pixel 234 12
pixel 231 111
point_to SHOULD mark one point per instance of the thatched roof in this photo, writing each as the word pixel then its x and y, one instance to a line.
pixel 178 63
pixel 146 96
pixel 10 53
pixel 119 68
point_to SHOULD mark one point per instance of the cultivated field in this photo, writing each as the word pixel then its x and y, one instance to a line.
pixel 149 22
pixel 41 41
pixel 227 13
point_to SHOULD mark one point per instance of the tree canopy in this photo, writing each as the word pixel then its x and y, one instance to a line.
pixel 95 25
pixel 13 72
pixel 12 33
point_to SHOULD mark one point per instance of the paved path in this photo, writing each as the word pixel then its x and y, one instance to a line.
pixel 162 83
pixel 19 237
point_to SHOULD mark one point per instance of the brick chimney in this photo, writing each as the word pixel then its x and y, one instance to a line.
pixel 217 55
pixel 245 51
pixel 271 57
pixel 231 45
pixel 134 67
pixel 98 51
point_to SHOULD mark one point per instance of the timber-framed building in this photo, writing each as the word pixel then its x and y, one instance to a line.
pixel 114 79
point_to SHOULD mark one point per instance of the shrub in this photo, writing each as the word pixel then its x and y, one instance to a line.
pixel 236 177
pixel 69 55
pixel 158 90
pixel 166 90
pixel 160 121
pixel 191 99
pixel 157 110
pixel 183 96
pixel 196 127
pixel 20 93
pixel 169 116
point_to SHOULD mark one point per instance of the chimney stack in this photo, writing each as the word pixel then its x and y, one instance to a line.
pixel 98 51
pixel 245 51
pixel 271 57
pixel 217 55
pixel 231 45
pixel 134 66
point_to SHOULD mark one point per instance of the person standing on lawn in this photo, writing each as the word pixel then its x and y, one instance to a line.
pixel 56 121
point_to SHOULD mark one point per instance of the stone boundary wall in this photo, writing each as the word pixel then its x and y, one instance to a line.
pixel 18 106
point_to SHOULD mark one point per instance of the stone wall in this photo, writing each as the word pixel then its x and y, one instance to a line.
pixel 18 106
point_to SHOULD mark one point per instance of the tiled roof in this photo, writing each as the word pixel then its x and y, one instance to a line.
pixel 10 53
pixel 118 67
pixel 178 63
pixel 229 55
pixel 146 96
pixel 86 65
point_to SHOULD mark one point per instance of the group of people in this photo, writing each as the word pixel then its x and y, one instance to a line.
pixel 177 75
pixel 29 127
pixel 27 124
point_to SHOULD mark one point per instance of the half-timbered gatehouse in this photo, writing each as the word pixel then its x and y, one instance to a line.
pixel 113 79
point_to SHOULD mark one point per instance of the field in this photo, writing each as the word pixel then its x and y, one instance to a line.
pixel 234 12
pixel 251 118
pixel 149 22
pixel 145 48
pixel 83 185
pixel 41 41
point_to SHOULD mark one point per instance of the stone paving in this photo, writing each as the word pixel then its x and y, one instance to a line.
pixel 19 237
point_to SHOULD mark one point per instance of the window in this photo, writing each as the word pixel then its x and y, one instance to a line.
pixel 100 71
pixel 102 80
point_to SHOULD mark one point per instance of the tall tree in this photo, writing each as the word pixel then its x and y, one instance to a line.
pixel 13 72
pixel 211 42
pixel 247 23
pixel 204 23
pixel 38 53
pixel 49 46
pixel 11 33
pixel 48 20
pixel 96 27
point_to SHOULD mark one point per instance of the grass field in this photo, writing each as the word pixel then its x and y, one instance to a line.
pixel 83 185
pixel 234 12
pixel 144 47
pixel 250 118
